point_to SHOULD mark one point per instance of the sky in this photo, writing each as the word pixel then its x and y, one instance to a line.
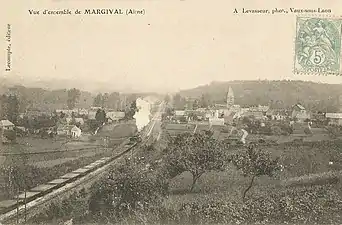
pixel 175 45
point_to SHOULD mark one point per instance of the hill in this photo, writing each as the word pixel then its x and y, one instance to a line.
pixel 49 100
pixel 278 94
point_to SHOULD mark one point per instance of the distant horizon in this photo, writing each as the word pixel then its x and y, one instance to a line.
pixel 10 82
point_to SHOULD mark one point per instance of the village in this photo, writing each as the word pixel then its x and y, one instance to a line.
pixel 43 149
pixel 64 122
pixel 240 121
pixel 259 121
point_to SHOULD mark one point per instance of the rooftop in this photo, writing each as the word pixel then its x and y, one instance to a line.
pixel 5 123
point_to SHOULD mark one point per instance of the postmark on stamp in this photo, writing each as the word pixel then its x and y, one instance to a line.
pixel 318 46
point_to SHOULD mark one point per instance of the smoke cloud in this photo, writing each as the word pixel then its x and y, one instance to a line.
pixel 142 117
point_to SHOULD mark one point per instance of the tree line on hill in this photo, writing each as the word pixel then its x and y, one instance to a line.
pixel 277 94
pixel 49 100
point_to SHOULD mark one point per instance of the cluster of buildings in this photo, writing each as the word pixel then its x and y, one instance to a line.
pixel 221 114
pixel 69 122
pixel 75 119
pixel 90 114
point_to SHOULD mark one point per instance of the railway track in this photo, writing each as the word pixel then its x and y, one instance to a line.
pixel 40 196
pixel 29 203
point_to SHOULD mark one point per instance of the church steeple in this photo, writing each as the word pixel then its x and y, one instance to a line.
pixel 230 97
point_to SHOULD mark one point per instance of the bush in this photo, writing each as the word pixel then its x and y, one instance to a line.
pixel 125 191
pixel 275 130
pixel 74 207
pixel 10 135
pixel 315 205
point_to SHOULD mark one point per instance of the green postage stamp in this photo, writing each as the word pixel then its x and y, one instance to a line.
pixel 318 46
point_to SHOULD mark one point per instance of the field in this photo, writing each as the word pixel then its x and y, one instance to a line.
pixel 41 160
pixel 218 195
pixel 316 154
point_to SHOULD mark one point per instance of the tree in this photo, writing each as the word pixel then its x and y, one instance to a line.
pixel 195 104
pixel 254 163
pixel 10 135
pixel 205 101
pixel 167 98
pixel 10 108
pixel 93 125
pixel 276 130
pixel 178 102
pixel 100 116
pixel 308 131
pixel 105 100
pixel 13 108
pixel 169 111
pixel 62 115
pixel 132 110
pixel 73 97
pixel 98 100
pixel 114 100
pixel 196 153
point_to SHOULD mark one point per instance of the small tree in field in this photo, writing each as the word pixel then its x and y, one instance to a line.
pixel 197 153
pixel 254 163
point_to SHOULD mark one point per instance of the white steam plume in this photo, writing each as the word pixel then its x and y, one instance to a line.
pixel 142 117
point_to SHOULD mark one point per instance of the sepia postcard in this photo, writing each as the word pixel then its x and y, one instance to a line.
pixel 170 112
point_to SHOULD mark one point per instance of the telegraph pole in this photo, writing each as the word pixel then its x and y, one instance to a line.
pixel 18 206
pixel 25 207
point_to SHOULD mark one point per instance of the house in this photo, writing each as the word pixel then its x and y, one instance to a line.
pixel 91 115
pixel 36 113
pixel 216 121
pixel 82 112
pixel 22 115
pixel 75 132
pixel 23 129
pixel 69 120
pixel 6 125
pixel 334 118
pixel 180 115
pixel 115 115
pixel 235 108
pixel 201 110
pixel 299 113
pixel 259 108
pixel 179 112
pixel 64 130
pixel 256 114
pixel 69 130
pixel 276 114
pixel 195 115
pixel 95 108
